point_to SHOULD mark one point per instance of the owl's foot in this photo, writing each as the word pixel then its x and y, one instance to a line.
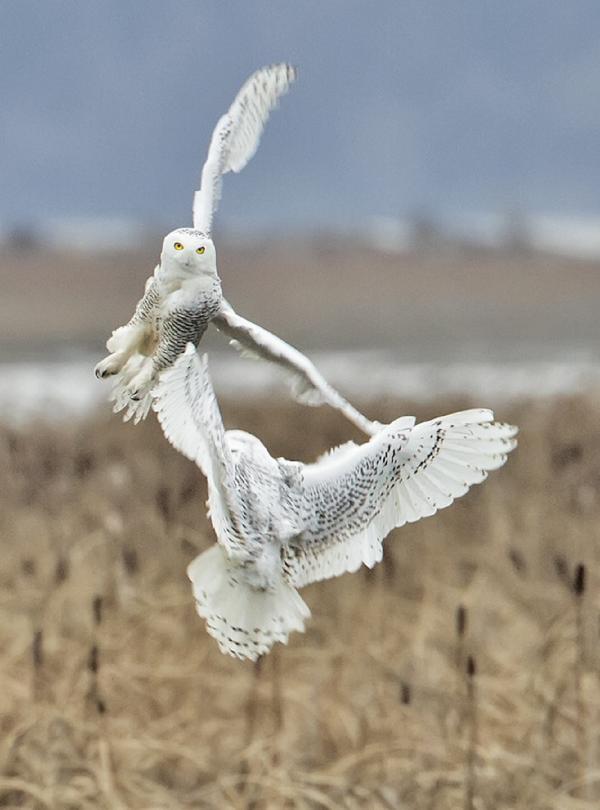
pixel 142 382
pixel 110 365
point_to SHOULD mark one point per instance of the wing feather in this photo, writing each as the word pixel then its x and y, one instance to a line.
pixel 307 383
pixel 437 462
pixel 236 137
pixel 188 413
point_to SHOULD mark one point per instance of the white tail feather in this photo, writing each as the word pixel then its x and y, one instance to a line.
pixel 246 622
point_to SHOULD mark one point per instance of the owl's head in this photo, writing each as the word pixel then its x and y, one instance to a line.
pixel 246 444
pixel 186 251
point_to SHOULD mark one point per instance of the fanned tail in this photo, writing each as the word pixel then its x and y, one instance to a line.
pixel 245 621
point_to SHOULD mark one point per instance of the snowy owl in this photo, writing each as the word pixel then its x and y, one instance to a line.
pixel 184 294
pixel 281 524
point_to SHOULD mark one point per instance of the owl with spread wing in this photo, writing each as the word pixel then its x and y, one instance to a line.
pixel 184 294
pixel 281 524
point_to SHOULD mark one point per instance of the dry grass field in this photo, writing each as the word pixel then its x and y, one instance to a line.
pixel 462 673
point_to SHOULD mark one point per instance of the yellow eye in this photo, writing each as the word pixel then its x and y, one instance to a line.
pixel 178 246
pixel 200 249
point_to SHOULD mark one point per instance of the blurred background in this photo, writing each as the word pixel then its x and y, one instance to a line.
pixel 422 217
pixel 426 199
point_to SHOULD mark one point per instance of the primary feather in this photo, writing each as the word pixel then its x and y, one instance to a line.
pixel 236 137
pixel 299 523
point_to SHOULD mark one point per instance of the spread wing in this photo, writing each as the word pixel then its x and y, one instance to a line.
pixel 237 134
pixel 308 385
pixel 353 500
pixel 187 410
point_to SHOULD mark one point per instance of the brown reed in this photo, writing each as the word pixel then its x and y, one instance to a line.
pixel 365 701
pixel 470 773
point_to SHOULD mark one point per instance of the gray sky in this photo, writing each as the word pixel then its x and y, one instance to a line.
pixel 108 105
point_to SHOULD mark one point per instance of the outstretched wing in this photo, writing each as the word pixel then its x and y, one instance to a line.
pixel 187 410
pixel 237 134
pixel 307 384
pixel 352 501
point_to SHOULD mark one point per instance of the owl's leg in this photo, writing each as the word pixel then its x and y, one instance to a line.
pixel 127 339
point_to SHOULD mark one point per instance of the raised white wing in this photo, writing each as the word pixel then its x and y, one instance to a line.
pixel 307 384
pixel 354 499
pixel 245 617
pixel 237 134
pixel 187 410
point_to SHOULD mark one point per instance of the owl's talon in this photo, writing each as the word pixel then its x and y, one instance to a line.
pixel 138 394
pixel 109 366
pixel 141 383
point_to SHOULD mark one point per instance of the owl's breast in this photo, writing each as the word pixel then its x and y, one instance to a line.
pixel 200 299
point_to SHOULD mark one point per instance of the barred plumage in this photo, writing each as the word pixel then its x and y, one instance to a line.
pixel 281 524
pixel 163 323
pixel 185 324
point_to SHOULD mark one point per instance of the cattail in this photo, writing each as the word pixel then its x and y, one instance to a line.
pixel 37 661
pixel 28 566
pixel 37 649
pixel 578 589
pixel 188 548
pixel 84 464
pixel 97 605
pixel 470 781
pixel 567 454
pixel 188 492
pixel 163 502
pixel 93 659
pixel 579 580
pixel 471 667
pixel 460 625
pixel 61 570
pixel 517 561
pixel 130 560
pixel 561 568
pixel 405 693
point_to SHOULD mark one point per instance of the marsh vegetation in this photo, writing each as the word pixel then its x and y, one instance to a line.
pixel 462 672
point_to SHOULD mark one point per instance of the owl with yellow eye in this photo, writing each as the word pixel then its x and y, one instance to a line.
pixel 184 296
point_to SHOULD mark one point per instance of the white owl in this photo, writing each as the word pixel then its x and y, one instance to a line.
pixel 184 295
pixel 281 524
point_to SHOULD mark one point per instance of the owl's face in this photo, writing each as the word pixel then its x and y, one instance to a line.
pixel 188 252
